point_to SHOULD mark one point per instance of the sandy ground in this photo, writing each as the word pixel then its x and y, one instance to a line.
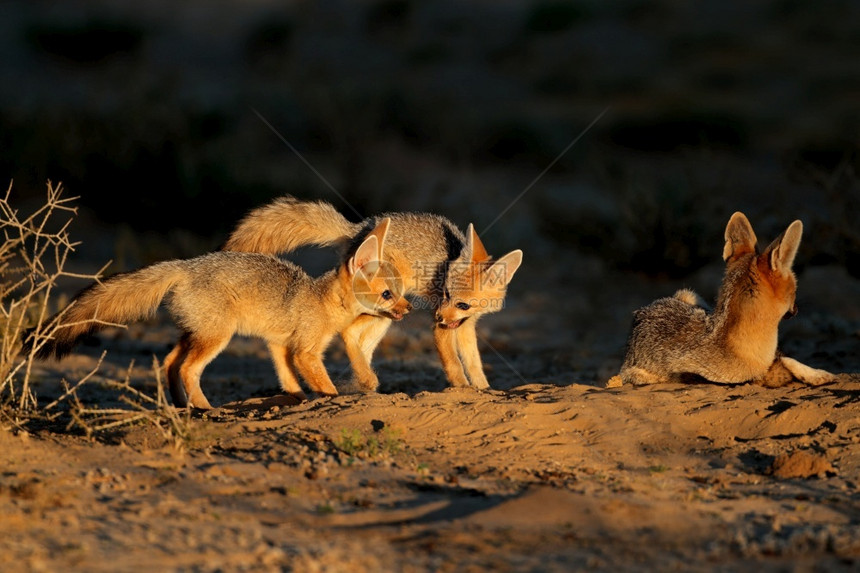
pixel 548 471
pixel 457 108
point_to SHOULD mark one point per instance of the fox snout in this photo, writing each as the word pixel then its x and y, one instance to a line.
pixel 400 310
pixel 450 322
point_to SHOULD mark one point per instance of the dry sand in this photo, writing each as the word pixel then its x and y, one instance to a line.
pixel 549 471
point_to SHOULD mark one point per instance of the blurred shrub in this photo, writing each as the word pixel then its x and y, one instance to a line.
pixel 558 83
pixel 660 230
pixel 512 140
pixel 269 42
pixel 430 53
pixel 555 16
pixel 674 131
pixel 90 42
pixel 153 172
pixel 823 159
pixel 386 14
pixel 672 232
pixel 832 167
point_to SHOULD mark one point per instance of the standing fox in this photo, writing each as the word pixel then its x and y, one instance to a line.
pixel 676 339
pixel 452 273
pixel 214 296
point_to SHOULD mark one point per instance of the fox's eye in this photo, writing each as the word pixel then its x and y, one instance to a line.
pixel 463 306
pixel 386 295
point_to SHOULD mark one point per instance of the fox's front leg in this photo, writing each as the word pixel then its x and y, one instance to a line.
pixel 360 340
pixel 807 374
pixel 312 369
pixel 446 345
pixel 786 370
pixel 467 344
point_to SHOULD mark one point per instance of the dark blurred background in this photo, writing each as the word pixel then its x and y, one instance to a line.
pixel 151 113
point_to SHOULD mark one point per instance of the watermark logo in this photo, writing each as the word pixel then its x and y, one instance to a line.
pixel 462 279
pixel 459 276
pixel 377 285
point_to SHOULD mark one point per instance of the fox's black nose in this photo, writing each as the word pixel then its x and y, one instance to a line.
pixel 791 312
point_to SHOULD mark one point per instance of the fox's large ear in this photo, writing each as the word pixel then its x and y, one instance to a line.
pixel 502 271
pixel 474 247
pixel 367 252
pixel 780 253
pixel 380 232
pixel 740 238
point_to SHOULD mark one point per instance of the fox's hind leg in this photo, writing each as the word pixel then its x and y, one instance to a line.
pixel 641 377
pixel 201 351
pixel 288 380
pixel 467 344
pixel 446 345
pixel 172 362
pixel 360 340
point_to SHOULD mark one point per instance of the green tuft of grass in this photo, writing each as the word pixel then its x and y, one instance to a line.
pixel 355 444
pixel 325 509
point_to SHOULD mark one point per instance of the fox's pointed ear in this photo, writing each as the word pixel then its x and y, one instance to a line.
pixel 740 238
pixel 474 247
pixel 780 254
pixel 366 252
pixel 380 232
pixel 502 270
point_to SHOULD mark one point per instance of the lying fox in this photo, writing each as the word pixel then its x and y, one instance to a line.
pixel 453 274
pixel 676 339
pixel 215 296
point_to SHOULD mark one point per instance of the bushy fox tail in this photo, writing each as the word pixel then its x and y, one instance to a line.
pixel 286 224
pixel 122 298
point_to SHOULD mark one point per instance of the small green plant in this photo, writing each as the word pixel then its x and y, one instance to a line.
pixel 658 469
pixel 325 508
pixel 355 444
pixel 350 442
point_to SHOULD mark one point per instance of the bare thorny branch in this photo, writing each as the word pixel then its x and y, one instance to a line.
pixel 33 258
pixel 157 412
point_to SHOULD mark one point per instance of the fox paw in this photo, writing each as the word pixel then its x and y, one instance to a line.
pixel 356 387
pixel 807 374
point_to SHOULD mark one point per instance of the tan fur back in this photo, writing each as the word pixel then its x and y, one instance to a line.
pixel 418 244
